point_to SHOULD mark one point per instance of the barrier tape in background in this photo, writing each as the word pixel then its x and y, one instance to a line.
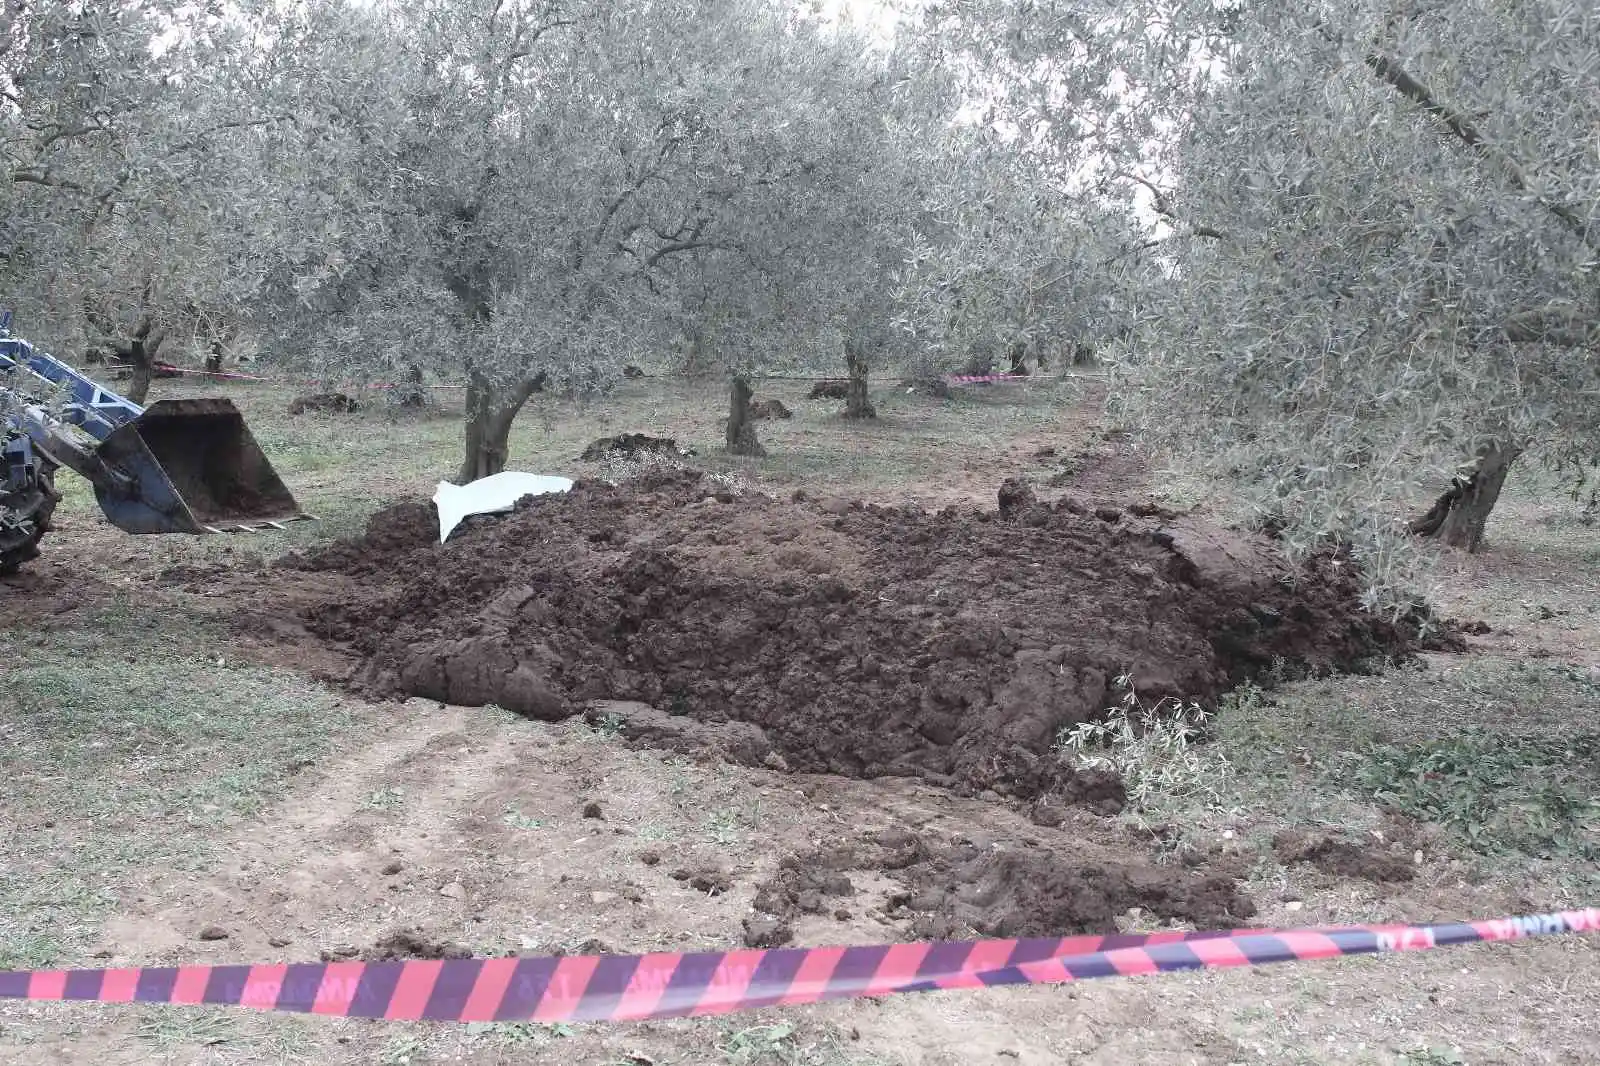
pixel 673 985
pixel 225 375
pixel 963 379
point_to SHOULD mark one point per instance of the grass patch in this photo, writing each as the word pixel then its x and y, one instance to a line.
pixel 783 1044
pixel 1494 753
pixel 125 754
pixel 1496 794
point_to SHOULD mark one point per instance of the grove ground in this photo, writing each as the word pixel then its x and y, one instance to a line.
pixel 159 780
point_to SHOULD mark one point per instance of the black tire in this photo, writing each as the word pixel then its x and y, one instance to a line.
pixel 34 505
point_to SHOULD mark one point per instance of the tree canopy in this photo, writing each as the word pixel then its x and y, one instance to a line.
pixel 1374 228
pixel 1346 253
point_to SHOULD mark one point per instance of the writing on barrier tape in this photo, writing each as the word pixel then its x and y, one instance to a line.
pixel 674 985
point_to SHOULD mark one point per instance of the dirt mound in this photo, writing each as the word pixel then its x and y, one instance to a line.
pixel 1343 858
pixel 632 444
pixel 400 945
pixel 861 640
pixel 327 402
pixel 766 409
pixel 958 890
pixel 832 389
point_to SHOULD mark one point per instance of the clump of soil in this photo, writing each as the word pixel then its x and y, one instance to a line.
pixel 862 640
pixel 959 890
pixel 1343 858
pixel 768 409
pixel 631 444
pixel 938 388
pixel 744 743
pixel 326 402
pixel 400 945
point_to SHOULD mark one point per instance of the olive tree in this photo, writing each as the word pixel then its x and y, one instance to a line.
pixel 1009 261
pixel 111 116
pixel 1377 233
pixel 516 190
pixel 1403 272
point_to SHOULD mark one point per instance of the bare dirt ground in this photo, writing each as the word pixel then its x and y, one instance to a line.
pixel 178 792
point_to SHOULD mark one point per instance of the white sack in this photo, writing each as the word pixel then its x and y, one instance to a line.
pixel 490 495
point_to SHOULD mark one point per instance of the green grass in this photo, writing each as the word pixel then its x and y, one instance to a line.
pixel 129 747
pixel 1496 794
pixel 1498 755
pixel 785 1044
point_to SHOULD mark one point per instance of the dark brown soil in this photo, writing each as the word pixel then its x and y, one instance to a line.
pixel 860 640
pixel 326 402
pixel 1342 858
pixel 399 945
pixel 632 444
pixel 959 890
pixel 768 409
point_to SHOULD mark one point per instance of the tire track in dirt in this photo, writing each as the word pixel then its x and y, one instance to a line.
pixel 318 845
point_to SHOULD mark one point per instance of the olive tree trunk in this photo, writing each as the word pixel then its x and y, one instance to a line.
pixel 1458 517
pixel 140 353
pixel 491 410
pixel 741 428
pixel 856 403
pixel 1019 358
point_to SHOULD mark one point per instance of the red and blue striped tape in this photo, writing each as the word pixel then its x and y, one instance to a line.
pixel 675 985
pixel 963 379
pixel 224 375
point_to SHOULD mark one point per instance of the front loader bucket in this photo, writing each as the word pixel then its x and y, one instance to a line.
pixel 196 469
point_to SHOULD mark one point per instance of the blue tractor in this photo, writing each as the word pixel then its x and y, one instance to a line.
pixel 176 466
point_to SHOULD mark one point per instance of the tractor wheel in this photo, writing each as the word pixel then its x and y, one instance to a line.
pixel 29 511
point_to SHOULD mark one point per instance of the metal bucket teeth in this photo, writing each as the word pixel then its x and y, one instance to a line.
pixel 262 526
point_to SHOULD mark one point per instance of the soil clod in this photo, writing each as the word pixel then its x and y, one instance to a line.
pixel 708 879
pixel 628 445
pixel 325 402
pixel 766 932
pixel 1343 858
pixel 955 891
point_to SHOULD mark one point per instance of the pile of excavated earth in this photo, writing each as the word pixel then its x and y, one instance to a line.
pixel 833 636
pixel 830 636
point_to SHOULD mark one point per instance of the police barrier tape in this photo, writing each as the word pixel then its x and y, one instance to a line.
pixel 224 375
pixel 963 379
pixel 674 985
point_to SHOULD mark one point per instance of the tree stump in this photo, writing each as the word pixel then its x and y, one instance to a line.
pixel 741 427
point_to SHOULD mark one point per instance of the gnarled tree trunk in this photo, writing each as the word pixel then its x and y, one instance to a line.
pixel 491 411
pixel 1459 516
pixel 1019 358
pixel 741 429
pixel 856 404
pixel 139 351
pixel 142 356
